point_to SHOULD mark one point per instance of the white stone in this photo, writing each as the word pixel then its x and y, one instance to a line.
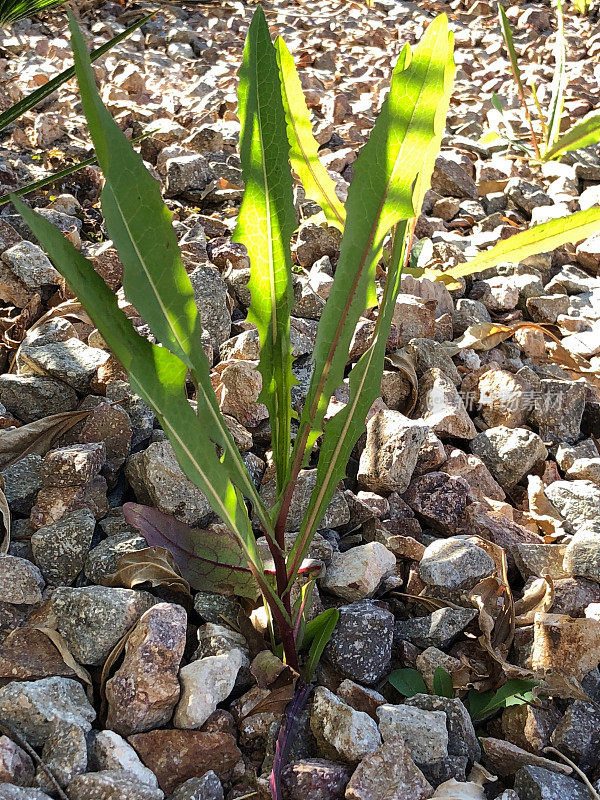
pixel 357 573
pixel 111 751
pixel 204 684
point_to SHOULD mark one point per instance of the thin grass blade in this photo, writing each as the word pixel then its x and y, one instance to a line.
pixel 559 83
pixel 265 225
pixel 31 100
pixel 304 147
pixel 540 239
pixel 13 10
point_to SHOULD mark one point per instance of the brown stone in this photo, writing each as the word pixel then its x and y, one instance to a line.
pixel 573 595
pixel 28 654
pixel 174 756
pixel 528 727
pixel 15 765
pixel 506 758
pixel 388 774
pixel 564 644
pixel 53 503
pixel 143 692
pixel 315 778
pixel 360 698
pixel 111 370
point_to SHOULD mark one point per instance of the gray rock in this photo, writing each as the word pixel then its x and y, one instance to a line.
pixel 208 787
pixel 10 792
pixel 102 560
pixel 21 582
pixel 35 708
pixel 429 354
pixel 451 179
pixel 93 619
pixel 577 735
pixel 210 294
pixel 537 783
pixel 439 499
pixel 187 173
pixel 462 739
pixel 31 397
pixel 341 732
pixel 526 196
pixel 468 313
pixel 361 644
pixel 582 556
pixel 358 572
pixel 547 308
pixel 28 262
pixel 316 241
pixel 439 629
pixel 558 410
pixel 157 479
pixel 442 408
pixel 71 361
pixel 424 732
pixel 217 608
pixel 65 754
pixel 509 453
pixel 74 465
pixel 577 501
pixel 22 482
pixel 60 549
pixel 391 451
pixel 204 684
pixel 455 563
pixel 109 751
pixel 111 785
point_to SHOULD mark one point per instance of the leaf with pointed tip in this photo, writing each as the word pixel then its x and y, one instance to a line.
pixel 541 238
pixel 583 134
pixel 380 196
pixel 154 277
pixel 265 225
pixel 559 83
pixel 343 430
pixel 304 156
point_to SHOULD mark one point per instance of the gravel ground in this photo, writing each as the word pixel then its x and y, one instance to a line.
pixel 477 484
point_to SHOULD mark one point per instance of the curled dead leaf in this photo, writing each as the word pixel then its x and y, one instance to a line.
pixel 153 565
pixel 36 437
pixel 63 648
pixel 110 662
pixel 548 519
pixel 538 597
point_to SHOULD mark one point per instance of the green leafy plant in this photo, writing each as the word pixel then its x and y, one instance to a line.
pixel 514 692
pixel 392 174
pixel 547 142
pixel 408 682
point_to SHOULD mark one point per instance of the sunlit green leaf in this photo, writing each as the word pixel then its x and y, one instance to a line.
pixel 583 134
pixel 408 682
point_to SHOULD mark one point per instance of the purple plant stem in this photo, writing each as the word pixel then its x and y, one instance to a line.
pixel 287 733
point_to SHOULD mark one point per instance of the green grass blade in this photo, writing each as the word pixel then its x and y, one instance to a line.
pixel 559 82
pixel 514 65
pixel 380 196
pixel 583 134
pixel 538 239
pixel 154 279
pixel 318 633
pixel 158 377
pixel 31 100
pixel 13 10
pixel 265 225
pixel 304 148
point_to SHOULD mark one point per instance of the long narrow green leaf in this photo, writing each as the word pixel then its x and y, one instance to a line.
pixel 154 277
pixel 158 377
pixel 265 225
pixel 583 134
pixel 559 82
pixel 343 430
pixel 318 633
pixel 31 100
pixel 304 156
pixel 380 196
pixel 514 65
pixel 13 10
pixel 539 239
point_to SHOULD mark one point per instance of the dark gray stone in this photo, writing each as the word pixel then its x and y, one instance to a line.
pixel 439 629
pixel 537 783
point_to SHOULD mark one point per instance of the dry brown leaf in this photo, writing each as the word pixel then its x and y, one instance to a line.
pixel 36 437
pixel 549 521
pixel 112 659
pixel 555 683
pixel 483 336
pixel 66 655
pixel 539 597
pixel 404 362
pixel 276 701
pixel 5 513
pixel 153 565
